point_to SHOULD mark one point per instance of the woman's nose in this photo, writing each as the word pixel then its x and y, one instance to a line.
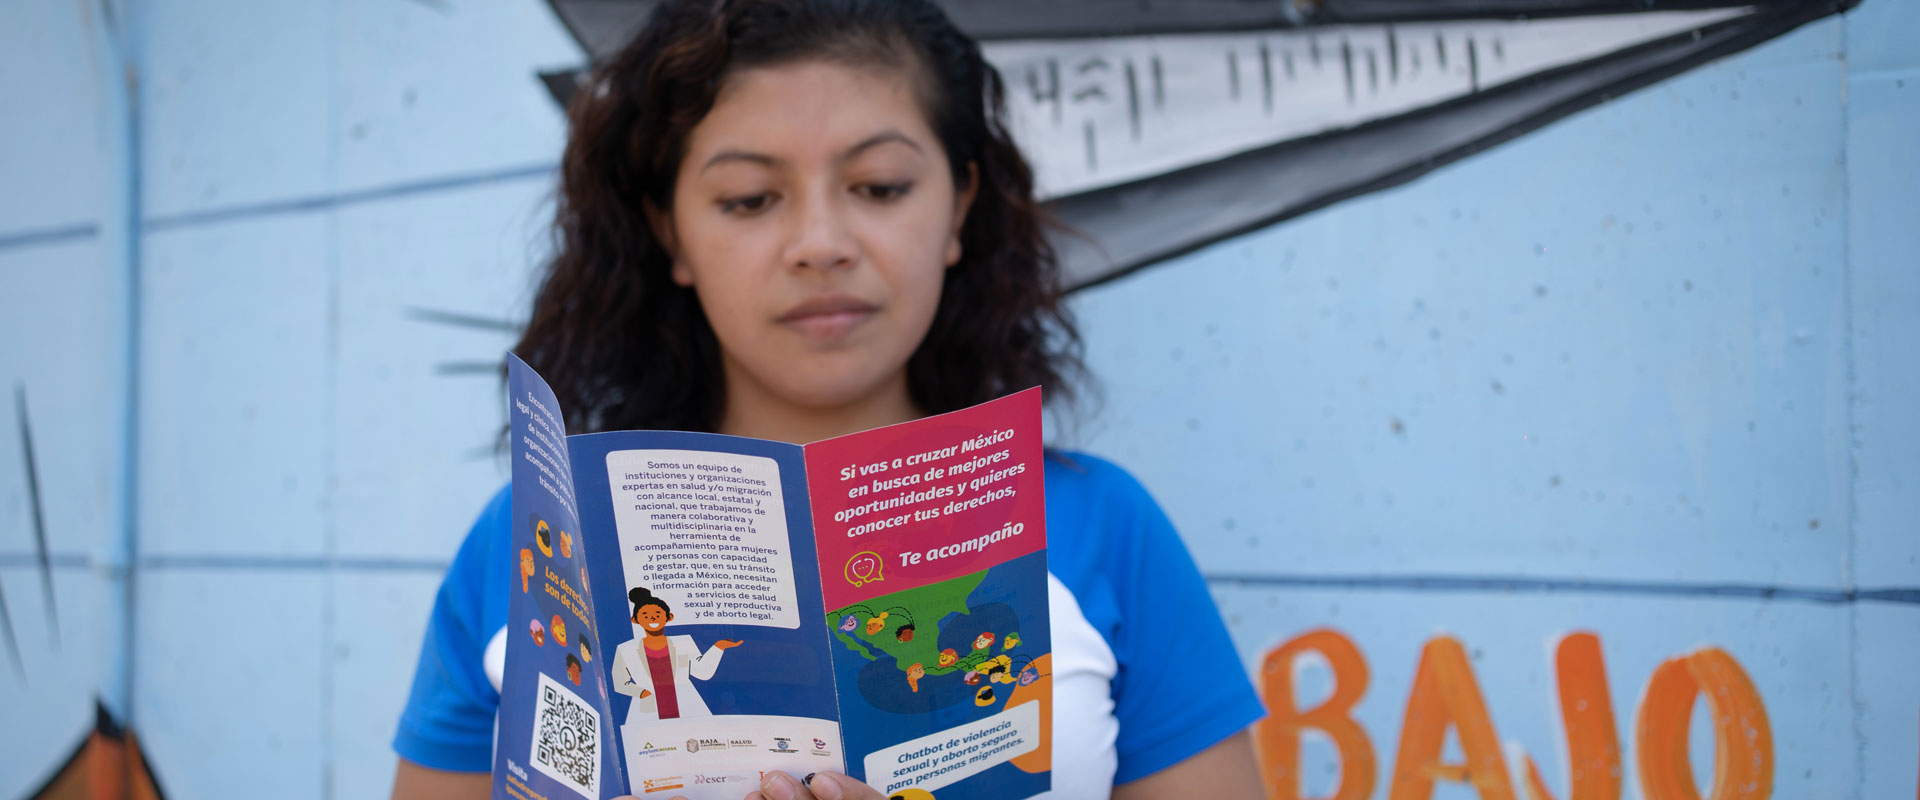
pixel 821 238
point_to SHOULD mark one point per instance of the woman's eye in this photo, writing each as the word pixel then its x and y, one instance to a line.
pixel 745 205
pixel 885 191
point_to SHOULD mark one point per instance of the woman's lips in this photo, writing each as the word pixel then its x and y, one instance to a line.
pixel 829 317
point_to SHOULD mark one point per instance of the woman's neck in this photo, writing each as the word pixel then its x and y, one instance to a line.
pixel 753 411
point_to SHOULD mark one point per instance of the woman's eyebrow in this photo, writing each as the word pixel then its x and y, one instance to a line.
pixel 879 139
pixel 853 152
pixel 740 155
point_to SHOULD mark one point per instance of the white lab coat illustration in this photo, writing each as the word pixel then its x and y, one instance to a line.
pixel 631 677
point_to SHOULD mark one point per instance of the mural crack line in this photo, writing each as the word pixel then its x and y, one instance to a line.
pixel 328 202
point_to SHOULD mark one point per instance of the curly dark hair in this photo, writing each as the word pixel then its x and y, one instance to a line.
pixel 623 346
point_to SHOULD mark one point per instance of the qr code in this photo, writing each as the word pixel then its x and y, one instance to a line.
pixel 566 738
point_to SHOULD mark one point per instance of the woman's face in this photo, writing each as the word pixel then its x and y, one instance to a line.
pixel 815 215
pixel 652 618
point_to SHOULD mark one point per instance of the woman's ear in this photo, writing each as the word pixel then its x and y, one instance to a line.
pixel 661 223
pixel 962 203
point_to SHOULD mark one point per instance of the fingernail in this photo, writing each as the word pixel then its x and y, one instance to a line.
pixel 826 787
pixel 808 781
pixel 780 786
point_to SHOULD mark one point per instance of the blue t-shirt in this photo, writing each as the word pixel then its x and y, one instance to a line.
pixel 1144 672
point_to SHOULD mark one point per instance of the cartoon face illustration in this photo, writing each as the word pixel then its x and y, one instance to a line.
pixel 566 545
pixel 543 537
pixel 652 618
pixel 983 641
pixel 1028 675
pixel 911 794
pixel 948 658
pixel 914 674
pixel 874 625
pixel 849 622
pixel 586 653
pixel 573 669
pixel 526 566
pixel 1013 641
pixel 999 669
pixel 539 632
pixel 984 697
pixel 559 630
pixel 973 678
pixel 904 633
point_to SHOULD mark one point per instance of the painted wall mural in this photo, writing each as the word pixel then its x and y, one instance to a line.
pixel 1159 128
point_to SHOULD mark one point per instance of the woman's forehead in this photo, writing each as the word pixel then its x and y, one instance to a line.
pixel 810 110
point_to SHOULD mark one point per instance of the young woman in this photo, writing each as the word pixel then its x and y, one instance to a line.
pixel 794 219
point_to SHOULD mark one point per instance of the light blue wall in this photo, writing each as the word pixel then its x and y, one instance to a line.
pixel 1663 347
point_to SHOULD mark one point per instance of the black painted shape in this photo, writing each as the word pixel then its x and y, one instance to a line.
pixel 13 643
pixel 462 320
pixel 1363 11
pixel 602 26
pixel 37 508
pixel 1123 228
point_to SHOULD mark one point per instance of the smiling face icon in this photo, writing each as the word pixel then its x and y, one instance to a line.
pixel 948 658
pixel 543 537
pixel 984 697
pixel 983 641
pixel 849 622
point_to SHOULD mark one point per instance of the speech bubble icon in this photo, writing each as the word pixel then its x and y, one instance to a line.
pixel 863 568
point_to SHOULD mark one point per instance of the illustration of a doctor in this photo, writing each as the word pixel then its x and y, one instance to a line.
pixel 657 669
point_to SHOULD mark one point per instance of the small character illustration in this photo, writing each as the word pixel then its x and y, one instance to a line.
pixel 948 658
pixel 559 628
pixel 904 633
pixel 984 697
pixel 999 669
pixel 526 566
pixel 1028 675
pixel 849 622
pixel 878 622
pixel 584 588
pixel 573 669
pixel 539 632
pixel 972 678
pixel 586 653
pixel 1013 641
pixel 543 537
pixel 566 545
pixel 914 674
pixel 983 641
pixel 658 670
pixel 911 794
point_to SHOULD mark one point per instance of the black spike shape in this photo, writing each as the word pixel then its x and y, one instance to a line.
pixel 33 502
pixel 13 643
pixel 461 320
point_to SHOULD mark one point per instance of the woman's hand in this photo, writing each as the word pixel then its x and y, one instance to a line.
pixel 820 786
pixel 646 693
pixel 728 644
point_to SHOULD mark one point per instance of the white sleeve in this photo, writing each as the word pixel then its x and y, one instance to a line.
pixel 702 666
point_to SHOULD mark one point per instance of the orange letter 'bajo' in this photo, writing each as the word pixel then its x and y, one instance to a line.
pixel 1446 694
pixel 1586 711
pixel 1279 733
pixel 1742 739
